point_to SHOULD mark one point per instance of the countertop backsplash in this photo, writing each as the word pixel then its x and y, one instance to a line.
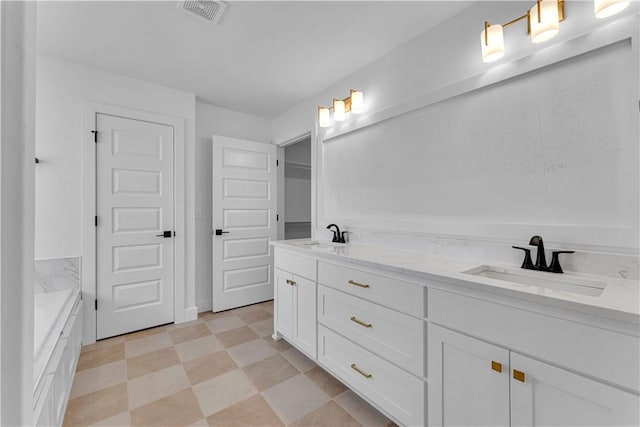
pixel 57 274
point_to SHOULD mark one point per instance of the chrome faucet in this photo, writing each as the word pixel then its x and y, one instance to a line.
pixel 541 260
pixel 337 236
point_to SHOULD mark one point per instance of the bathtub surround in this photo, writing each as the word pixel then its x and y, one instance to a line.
pixel 59 274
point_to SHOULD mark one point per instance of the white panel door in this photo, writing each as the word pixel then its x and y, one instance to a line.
pixel 468 381
pixel 550 396
pixel 244 212
pixel 135 284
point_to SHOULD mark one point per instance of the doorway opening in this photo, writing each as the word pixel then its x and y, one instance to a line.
pixel 297 190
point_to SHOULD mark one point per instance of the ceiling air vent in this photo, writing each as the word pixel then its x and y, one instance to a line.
pixel 207 10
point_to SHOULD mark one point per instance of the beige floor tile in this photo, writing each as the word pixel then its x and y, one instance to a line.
pixel 145 333
pixel 246 309
pixel 179 409
pixel 206 315
pixel 263 328
pixel 236 336
pixel 123 419
pixel 328 415
pixel 197 348
pixel 364 413
pixel 100 356
pixel 280 345
pixel 226 323
pixel 269 310
pixel 266 304
pixel 175 326
pixel 299 360
pixel 269 372
pixel 202 422
pixel 223 391
pixel 255 316
pixel 326 381
pixel 96 406
pixel 150 387
pixel 103 343
pixel 295 398
pixel 147 344
pixel 251 352
pixel 189 333
pixel 254 411
pixel 94 379
pixel 151 362
pixel 209 366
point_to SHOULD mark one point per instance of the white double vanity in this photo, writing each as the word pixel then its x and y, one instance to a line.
pixel 428 344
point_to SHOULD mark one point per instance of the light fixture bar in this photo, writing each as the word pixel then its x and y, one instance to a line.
pixel 352 103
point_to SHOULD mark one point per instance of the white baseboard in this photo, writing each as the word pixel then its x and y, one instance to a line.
pixel 205 304
pixel 190 314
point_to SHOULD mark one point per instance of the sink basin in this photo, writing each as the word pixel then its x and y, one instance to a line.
pixel 558 282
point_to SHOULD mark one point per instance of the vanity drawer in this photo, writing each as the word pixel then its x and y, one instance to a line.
pixel 392 389
pixel 398 294
pixel 392 335
pixel 296 264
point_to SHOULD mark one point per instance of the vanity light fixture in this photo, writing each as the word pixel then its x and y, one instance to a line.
pixel 354 103
pixel 607 8
pixel 543 23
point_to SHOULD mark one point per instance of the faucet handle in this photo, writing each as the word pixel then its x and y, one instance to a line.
pixel 342 238
pixel 555 267
pixel 526 263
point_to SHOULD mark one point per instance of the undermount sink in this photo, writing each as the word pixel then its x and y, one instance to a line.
pixel 558 282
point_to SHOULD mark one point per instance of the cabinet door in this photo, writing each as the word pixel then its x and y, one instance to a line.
pixel 468 381
pixel 305 315
pixel 284 304
pixel 550 396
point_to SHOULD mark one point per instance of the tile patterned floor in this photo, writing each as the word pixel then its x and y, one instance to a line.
pixel 223 369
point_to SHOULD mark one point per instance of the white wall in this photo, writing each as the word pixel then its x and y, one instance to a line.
pixel 62 90
pixel 445 62
pixel 17 109
pixel 212 120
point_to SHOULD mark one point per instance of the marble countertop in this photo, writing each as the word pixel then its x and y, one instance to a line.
pixel 619 300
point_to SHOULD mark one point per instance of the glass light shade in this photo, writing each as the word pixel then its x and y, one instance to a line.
pixel 338 110
pixel 549 24
pixel 357 102
pixel 494 48
pixel 324 117
pixel 607 8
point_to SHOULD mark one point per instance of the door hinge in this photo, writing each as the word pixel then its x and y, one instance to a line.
pixel 277 218
pixel 95 136
pixel 277 162
pixel 96 220
pixel 96 303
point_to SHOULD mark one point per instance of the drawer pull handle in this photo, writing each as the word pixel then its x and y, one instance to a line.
pixel 291 282
pixel 360 285
pixel 518 375
pixel 360 322
pixel 360 371
pixel 496 366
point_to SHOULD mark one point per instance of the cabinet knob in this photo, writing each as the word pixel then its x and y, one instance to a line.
pixel 496 366
pixel 518 375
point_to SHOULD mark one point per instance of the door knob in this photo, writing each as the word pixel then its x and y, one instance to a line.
pixel 166 234
pixel 219 232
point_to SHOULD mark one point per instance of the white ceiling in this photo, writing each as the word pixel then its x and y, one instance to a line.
pixel 263 58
